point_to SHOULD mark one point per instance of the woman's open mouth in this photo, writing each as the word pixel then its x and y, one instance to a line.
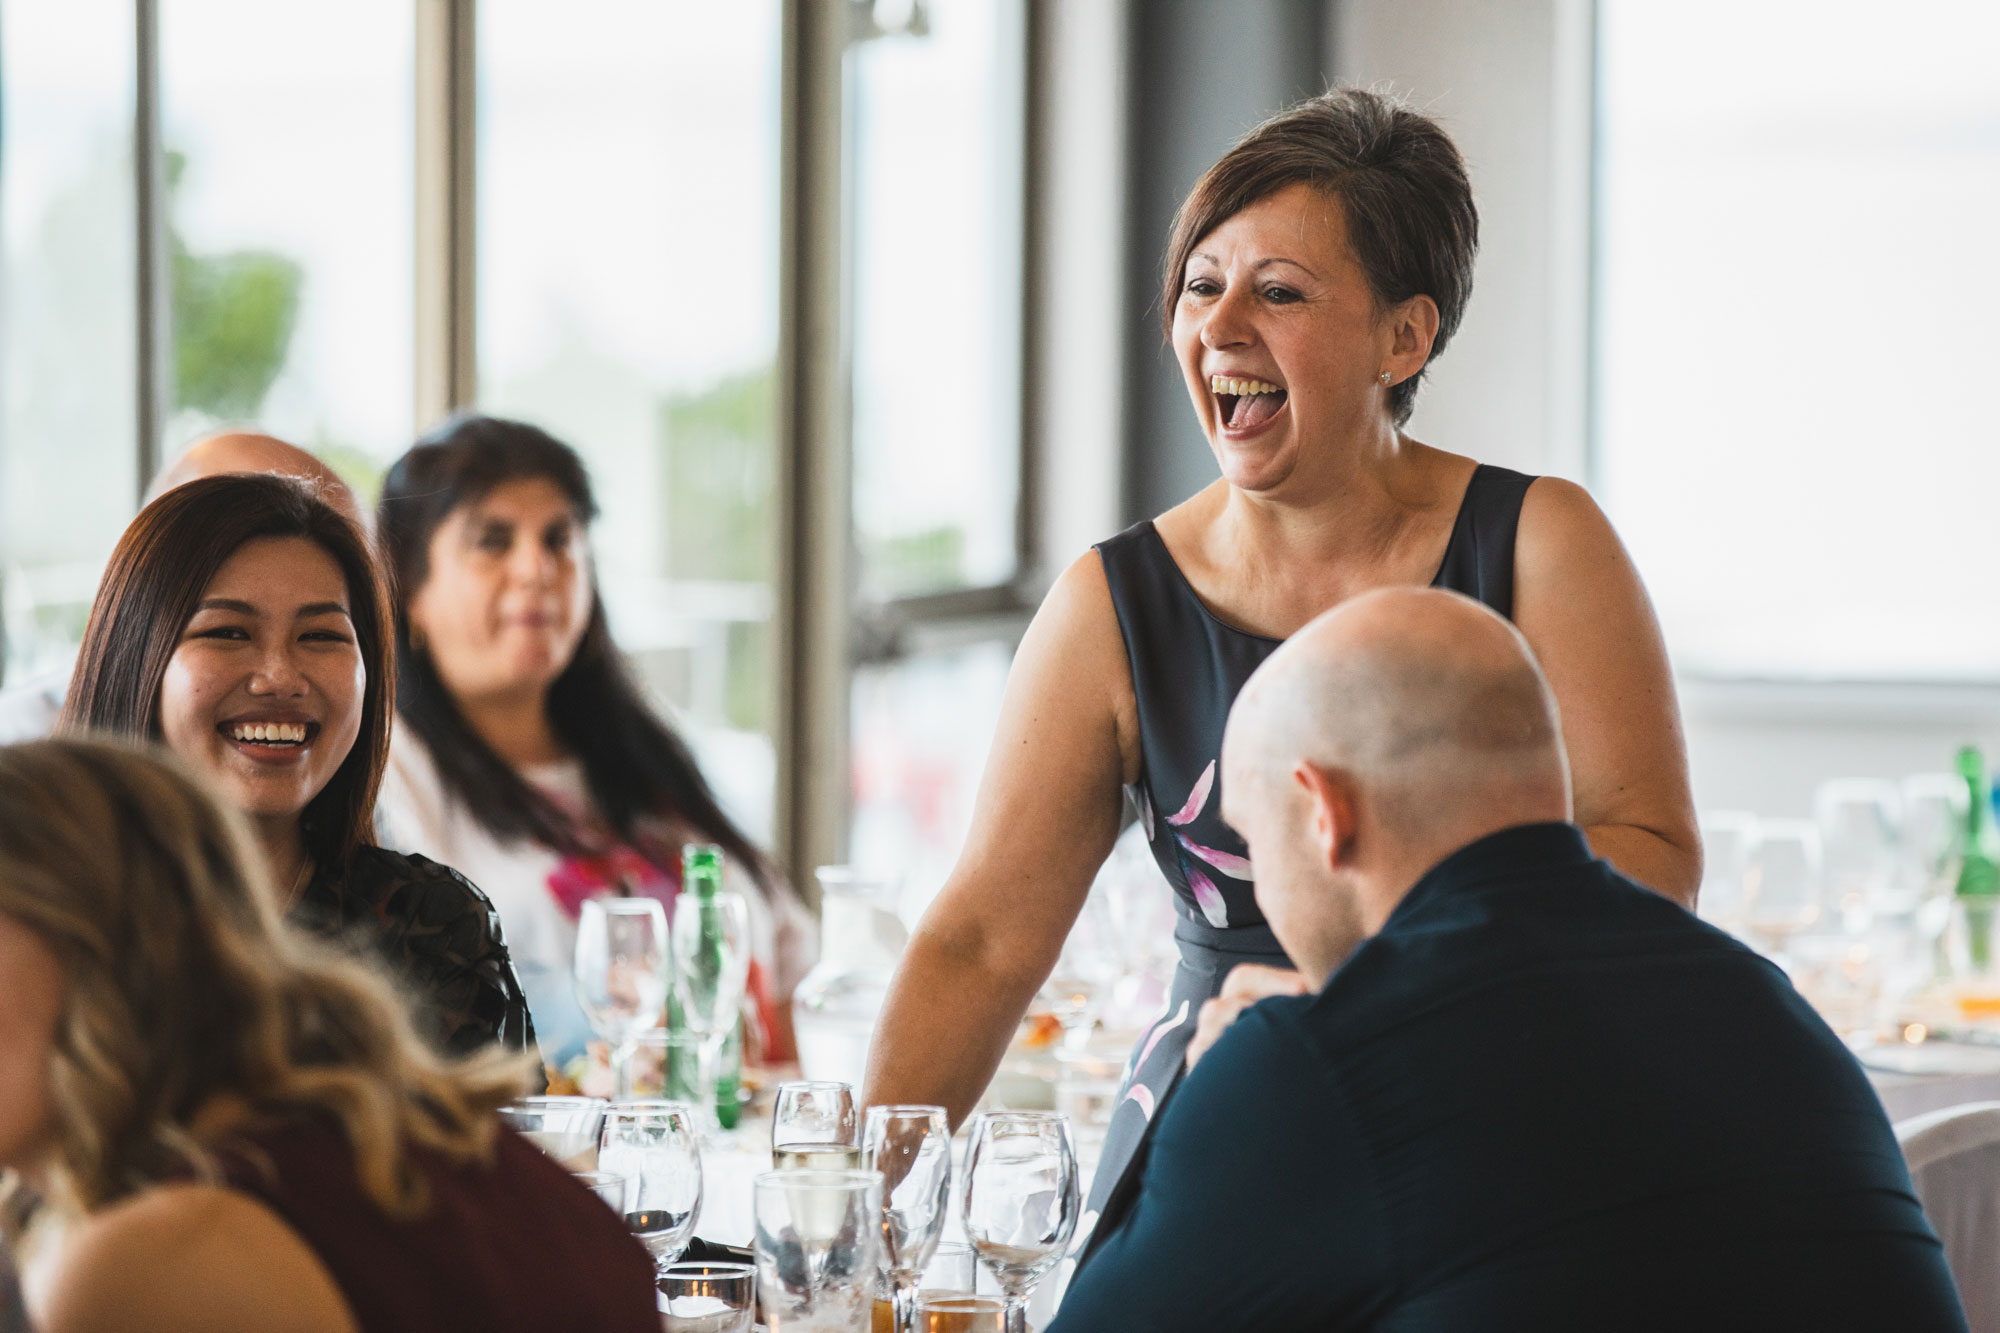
pixel 1245 404
pixel 270 740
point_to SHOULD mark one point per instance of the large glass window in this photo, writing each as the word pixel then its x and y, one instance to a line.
pixel 935 176
pixel 68 327
pixel 289 138
pixel 628 302
pixel 1798 278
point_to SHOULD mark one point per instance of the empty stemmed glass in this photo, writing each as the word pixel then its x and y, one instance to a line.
pixel 814 1124
pixel 1021 1200
pixel 911 1147
pixel 655 1144
pixel 1782 890
pixel 711 968
pixel 620 972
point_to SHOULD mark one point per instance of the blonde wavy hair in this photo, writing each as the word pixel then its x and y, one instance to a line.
pixel 183 984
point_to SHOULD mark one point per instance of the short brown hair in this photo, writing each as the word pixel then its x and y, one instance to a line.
pixel 1401 185
pixel 151 589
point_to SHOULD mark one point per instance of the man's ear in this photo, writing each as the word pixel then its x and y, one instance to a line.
pixel 1330 806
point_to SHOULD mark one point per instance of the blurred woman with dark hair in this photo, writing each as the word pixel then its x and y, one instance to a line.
pixel 214 1122
pixel 242 622
pixel 525 754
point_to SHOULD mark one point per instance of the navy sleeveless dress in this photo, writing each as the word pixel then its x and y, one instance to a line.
pixel 1187 667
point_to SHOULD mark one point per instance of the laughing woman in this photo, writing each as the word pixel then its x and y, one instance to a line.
pixel 1313 274
pixel 242 622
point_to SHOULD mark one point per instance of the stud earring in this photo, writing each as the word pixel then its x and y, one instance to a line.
pixel 1385 379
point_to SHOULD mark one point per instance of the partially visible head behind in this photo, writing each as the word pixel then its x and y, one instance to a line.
pixel 147 973
pixel 484 526
pixel 1388 733
pixel 249 451
pixel 1400 184
pixel 243 600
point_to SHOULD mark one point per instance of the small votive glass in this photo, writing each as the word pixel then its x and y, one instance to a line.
pixel 707 1298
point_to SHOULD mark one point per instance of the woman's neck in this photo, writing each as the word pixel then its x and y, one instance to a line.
pixel 1338 505
pixel 285 852
pixel 516 727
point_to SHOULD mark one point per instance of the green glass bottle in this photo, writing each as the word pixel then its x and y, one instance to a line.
pixel 1979 866
pixel 701 875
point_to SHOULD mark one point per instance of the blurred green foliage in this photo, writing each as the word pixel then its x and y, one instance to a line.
pixel 233 317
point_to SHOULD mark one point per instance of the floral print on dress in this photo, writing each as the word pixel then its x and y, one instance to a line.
pixel 1206 895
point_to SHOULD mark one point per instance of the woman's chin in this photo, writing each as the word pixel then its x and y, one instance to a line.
pixel 1255 468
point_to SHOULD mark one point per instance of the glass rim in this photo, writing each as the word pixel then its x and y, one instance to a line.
pixel 699 1268
pixel 816 1084
pixel 602 1176
pixel 621 905
pixel 554 1102
pixel 815 1178
pixel 649 1106
pixel 912 1109
pixel 960 1303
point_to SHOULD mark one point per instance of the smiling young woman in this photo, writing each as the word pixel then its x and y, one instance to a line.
pixel 242 623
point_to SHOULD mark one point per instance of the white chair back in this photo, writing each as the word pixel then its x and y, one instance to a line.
pixel 1954 1161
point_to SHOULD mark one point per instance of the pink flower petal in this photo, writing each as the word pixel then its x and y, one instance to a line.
pixel 1196 798
pixel 1143 1095
pixel 1161 1029
pixel 1230 864
pixel 1208 898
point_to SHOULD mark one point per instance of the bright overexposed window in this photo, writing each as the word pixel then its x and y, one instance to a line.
pixel 289 138
pixel 68 321
pixel 935 179
pixel 1798 282
pixel 628 182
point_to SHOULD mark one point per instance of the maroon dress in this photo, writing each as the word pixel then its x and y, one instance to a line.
pixel 515 1246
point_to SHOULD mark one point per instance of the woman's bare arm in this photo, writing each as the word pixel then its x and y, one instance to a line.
pixel 1046 818
pixel 1579 601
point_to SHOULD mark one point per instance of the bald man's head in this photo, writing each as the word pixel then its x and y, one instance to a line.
pixel 1386 734
pixel 247 451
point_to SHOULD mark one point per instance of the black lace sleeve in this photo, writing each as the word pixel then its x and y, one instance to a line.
pixel 439 935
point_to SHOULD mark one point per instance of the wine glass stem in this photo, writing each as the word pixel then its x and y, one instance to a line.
pixel 1015 1318
pixel 621 1069
pixel 903 1299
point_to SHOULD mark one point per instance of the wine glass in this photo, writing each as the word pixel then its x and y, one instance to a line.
pixel 1021 1200
pixel 1728 842
pixel 819 1236
pixel 566 1128
pixel 655 1143
pixel 814 1124
pixel 1782 890
pixel 620 972
pixel 911 1147
pixel 1858 820
pixel 615 1189
pixel 711 968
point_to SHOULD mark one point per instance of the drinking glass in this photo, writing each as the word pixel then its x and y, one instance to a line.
pixel 664 1066
pixel 620 972
pixel 610 1186
pixel 1933 832
pixel 1858 820
pixel 655 1142
pixel 711 967
pixel 961 1314
pixel 566 1128
pixel 911 1147
pixel 819 1239
pixel 708 1298
pixel 1782 890
pixel 814 1125
pixel 1728 842
pixel 1021 1199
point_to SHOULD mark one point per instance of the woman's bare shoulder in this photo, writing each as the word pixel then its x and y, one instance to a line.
pixel 187 1257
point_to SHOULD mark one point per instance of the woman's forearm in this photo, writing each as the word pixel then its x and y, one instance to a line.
pixel 1669 867
pixel 949 1016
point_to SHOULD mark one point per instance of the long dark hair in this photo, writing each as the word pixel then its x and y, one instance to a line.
pixel 151 589
pixel 635 765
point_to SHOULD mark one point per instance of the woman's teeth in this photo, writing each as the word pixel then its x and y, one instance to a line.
pixel 1224 384
pixel 270 733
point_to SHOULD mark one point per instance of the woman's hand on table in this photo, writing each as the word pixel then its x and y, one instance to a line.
pixel 1246 984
